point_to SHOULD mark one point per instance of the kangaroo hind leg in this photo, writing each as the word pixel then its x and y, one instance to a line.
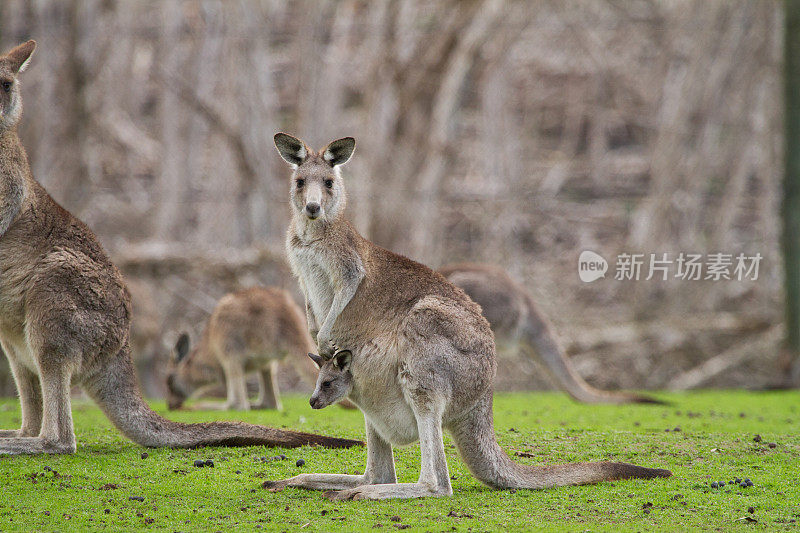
pixel 434 478
pixel 57 434
pixel 30 399
pixel 268 394
pixel 236 385
pixel 380 469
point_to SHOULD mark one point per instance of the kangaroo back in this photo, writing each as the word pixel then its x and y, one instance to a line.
pixel 517 322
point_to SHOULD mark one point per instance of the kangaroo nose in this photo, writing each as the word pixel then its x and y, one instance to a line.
pixel 313 402
pixel 312 208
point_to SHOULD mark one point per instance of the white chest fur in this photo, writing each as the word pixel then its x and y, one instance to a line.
pixel 309 267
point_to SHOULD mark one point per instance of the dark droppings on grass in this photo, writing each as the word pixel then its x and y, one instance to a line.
pixel 593 433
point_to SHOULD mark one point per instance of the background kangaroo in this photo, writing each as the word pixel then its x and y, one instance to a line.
pixel 249 331
pixel 419 353
pixel 518 324
pixel 64 316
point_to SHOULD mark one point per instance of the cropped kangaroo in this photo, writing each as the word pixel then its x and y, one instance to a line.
pixel 249 331
pixel 64 316
pixel 418 354
pixel 518 324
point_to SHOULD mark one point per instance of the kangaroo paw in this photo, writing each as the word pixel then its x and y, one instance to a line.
pixel 340 495
pixel 274 486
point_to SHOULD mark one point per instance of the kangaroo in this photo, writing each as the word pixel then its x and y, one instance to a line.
pixel 249 330
pixel 419 353
pixel 518 324
pixel 65 312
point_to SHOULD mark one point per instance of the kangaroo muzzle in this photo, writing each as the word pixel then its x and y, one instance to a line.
pixel 316 402
pixel 312 210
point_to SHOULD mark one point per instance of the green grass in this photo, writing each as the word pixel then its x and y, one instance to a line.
pixel 715 442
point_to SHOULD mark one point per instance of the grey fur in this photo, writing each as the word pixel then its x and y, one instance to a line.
pixel 65 317
pixel 423 357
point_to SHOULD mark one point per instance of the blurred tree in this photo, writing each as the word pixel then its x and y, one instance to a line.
pixel 791 193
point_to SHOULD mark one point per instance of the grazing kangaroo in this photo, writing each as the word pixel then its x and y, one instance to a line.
pixel 64 317
pixel 518 324
pixel 418 355
pixel 249 331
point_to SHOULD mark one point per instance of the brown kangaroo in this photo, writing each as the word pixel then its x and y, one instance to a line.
pixel 249 331
pixel 64 317
pixel 409 348
pixel 518 324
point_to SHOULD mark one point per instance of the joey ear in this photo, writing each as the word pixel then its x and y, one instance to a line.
pixel 339 151
pixel 317 359
pixel 292 150
pixel 181 347
pixel 342 359
pixel 19 56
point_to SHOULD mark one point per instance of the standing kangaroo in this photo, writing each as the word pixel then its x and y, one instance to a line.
pixel 64 316
pixel 518 324
pixel 249 331
pixel 419 354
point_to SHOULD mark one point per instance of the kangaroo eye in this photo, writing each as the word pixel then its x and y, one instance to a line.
pixel 329 184
pixel 6 86
pixel 326 384
pixel 300 183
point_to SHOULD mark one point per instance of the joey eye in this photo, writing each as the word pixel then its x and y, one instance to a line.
pixel 329 184
pixel 6 86
pixel 326 384
pixel 300 182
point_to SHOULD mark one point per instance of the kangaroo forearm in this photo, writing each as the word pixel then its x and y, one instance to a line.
pixel 11 206
pixel 311 319
pixel 340 301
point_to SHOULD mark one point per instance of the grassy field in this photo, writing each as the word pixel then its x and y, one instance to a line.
pixel 702 437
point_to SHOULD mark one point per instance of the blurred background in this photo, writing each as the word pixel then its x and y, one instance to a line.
pixel 508 132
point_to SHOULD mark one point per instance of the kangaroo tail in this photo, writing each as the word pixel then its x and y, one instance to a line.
pixel 474 436
pixel 538 337
pixel 116 392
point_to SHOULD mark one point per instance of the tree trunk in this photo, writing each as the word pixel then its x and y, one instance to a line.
pixel 791 194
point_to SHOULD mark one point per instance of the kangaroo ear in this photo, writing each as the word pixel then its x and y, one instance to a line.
pixel 342 359
pixel 181 347
pixel 317 359
pixel 339 151
pixel 292 149
pixel 19 57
